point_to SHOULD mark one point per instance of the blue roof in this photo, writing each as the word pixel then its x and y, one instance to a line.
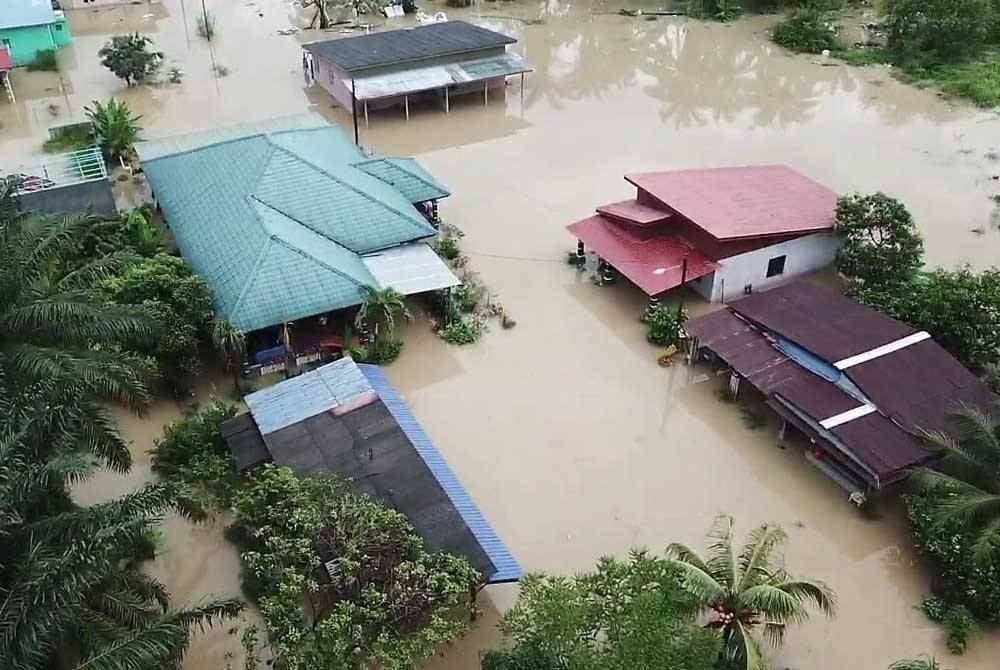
pixel 507 567
pixel 275 217
pixel 407 177
pixel 19 13
pixel 326 388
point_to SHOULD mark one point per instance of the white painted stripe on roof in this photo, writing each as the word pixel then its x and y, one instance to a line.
pixel 872 354
pixel 849 415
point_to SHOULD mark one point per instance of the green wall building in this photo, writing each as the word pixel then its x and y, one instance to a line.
pixel 30 26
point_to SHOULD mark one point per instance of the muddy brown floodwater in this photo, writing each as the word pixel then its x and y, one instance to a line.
pixel 565 431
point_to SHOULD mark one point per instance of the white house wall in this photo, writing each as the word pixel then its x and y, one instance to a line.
pixel 802 255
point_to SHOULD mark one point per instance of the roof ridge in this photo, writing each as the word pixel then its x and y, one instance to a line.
pixel 280 240
pixel 390 159
pixel 212 145
pixel 251 276
pixel 351 187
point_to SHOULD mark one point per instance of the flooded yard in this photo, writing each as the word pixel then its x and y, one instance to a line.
pixel 570 438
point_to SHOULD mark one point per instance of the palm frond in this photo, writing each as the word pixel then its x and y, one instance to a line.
pixel 806 590
pixel 755 561
pixel 72 318
pixel 924 663
pixel 743 649
pixel 720 551
pixel 773 604
pixel 695 576
pixel 987 544
pixel 90 273
pixel 774 632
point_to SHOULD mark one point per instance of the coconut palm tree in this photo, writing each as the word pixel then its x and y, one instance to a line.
pixel 380 311
pixel 925 663
pixel 58 344
pixel 231 343
pixel 966 481
pixel 748 591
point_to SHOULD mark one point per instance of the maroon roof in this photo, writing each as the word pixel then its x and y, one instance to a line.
pixel 6 62
pixel 654 263
pixel 823 321
pixel 633 211
pixel 912 388
pixel 744 202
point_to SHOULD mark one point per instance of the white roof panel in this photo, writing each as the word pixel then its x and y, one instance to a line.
pixel 410 268
pixel 427 78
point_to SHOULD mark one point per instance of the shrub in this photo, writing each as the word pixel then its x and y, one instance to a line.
pixel 958 579
pixel 716 10
pixel 959 628
pixel 464 330
pixel 206 26
pixel 69 138
pixel 807 30
pixel 467 296
pixel 448 247
pixel 663 325
pixel 881 243
pixel 116 128
pixel 45 60
pixel 934 608
pixel 193 452
pixel 947 29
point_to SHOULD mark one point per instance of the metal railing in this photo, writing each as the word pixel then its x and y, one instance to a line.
pixel 75 167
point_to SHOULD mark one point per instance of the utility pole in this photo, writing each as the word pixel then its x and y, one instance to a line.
pixel 684 274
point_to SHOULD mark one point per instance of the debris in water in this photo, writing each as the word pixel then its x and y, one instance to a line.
pixel 981 230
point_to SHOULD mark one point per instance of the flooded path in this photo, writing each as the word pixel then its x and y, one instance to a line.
pixel 564 430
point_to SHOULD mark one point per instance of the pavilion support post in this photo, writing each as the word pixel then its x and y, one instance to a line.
pixel 781 433
pixel 447 101
pixel 486 93
pixel 581 250
pixel 366 114
pixel 654 304
pixel 354 112
pixel 692 350
pixel 684 276
pixel 406 105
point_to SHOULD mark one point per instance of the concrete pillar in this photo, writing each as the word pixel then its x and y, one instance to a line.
pixel 781 433
pixel 447 101
pixel 366 113
pixel 406 104
pixel 654 304
pixel 486 93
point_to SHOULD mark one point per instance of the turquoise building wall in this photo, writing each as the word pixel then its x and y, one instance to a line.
pixel 26 41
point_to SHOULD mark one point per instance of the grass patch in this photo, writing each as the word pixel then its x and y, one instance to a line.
pixel 44 61
pixel 71 138
pixel 865 56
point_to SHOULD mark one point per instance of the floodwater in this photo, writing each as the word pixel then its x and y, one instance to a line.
pixel 565 431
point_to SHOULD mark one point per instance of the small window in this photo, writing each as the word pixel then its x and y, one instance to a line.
pixel 776 266
pixel 58 26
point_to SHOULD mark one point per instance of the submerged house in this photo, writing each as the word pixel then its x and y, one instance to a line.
pixel 346 418
pixel 726 231
pixel 288 220
pixel 858 384
pixel 437 61
pixel 28 27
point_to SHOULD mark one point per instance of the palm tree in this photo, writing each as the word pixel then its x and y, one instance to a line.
pixel 231 343
pixel 70 586
pixel 380 311
pixel 966 481
pixel 925 663
pixel 749 591
pixel 59 346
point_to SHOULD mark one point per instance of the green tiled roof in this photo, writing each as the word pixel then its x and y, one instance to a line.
pixel 406 176
pixel 276 221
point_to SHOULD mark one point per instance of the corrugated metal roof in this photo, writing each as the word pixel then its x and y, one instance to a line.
pixel 743 202
pixel 326 388
pixel 406 176
pixel 634 212
pixel 414 80
pixel 410 268
pixel 507 567
pixel 652 261
pixel 18 13
pixel 274 218
pixel 399 46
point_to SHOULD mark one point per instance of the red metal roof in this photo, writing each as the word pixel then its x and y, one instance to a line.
pixel 6 62
pixel 633 211
pixel 654 263
pixel 743 202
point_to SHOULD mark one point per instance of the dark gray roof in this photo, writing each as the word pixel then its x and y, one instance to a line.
pixel 369 449
pixel 397 46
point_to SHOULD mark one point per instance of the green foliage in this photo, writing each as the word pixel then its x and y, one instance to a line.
pixel 386 603
pixel 934 608
pixel 749 591
pixel 465 329
pixel 192 452
pixel 177 301
pixel 941 29
pixel 808 29
pixel 977 81
pixel 924 663
pixel 716 10
pixel 380 353
pixel 206 25
pixel 949 543
pixel 130 58
pixel 71 138
pixel 45 61
pixel 866 56
pixel 448 247
pixel 959 627
pixel 468 295
pixel 380 311
pixel 116 128
pixel 663 325
pixel 626 615
pixel 959 308
pixel 881 244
